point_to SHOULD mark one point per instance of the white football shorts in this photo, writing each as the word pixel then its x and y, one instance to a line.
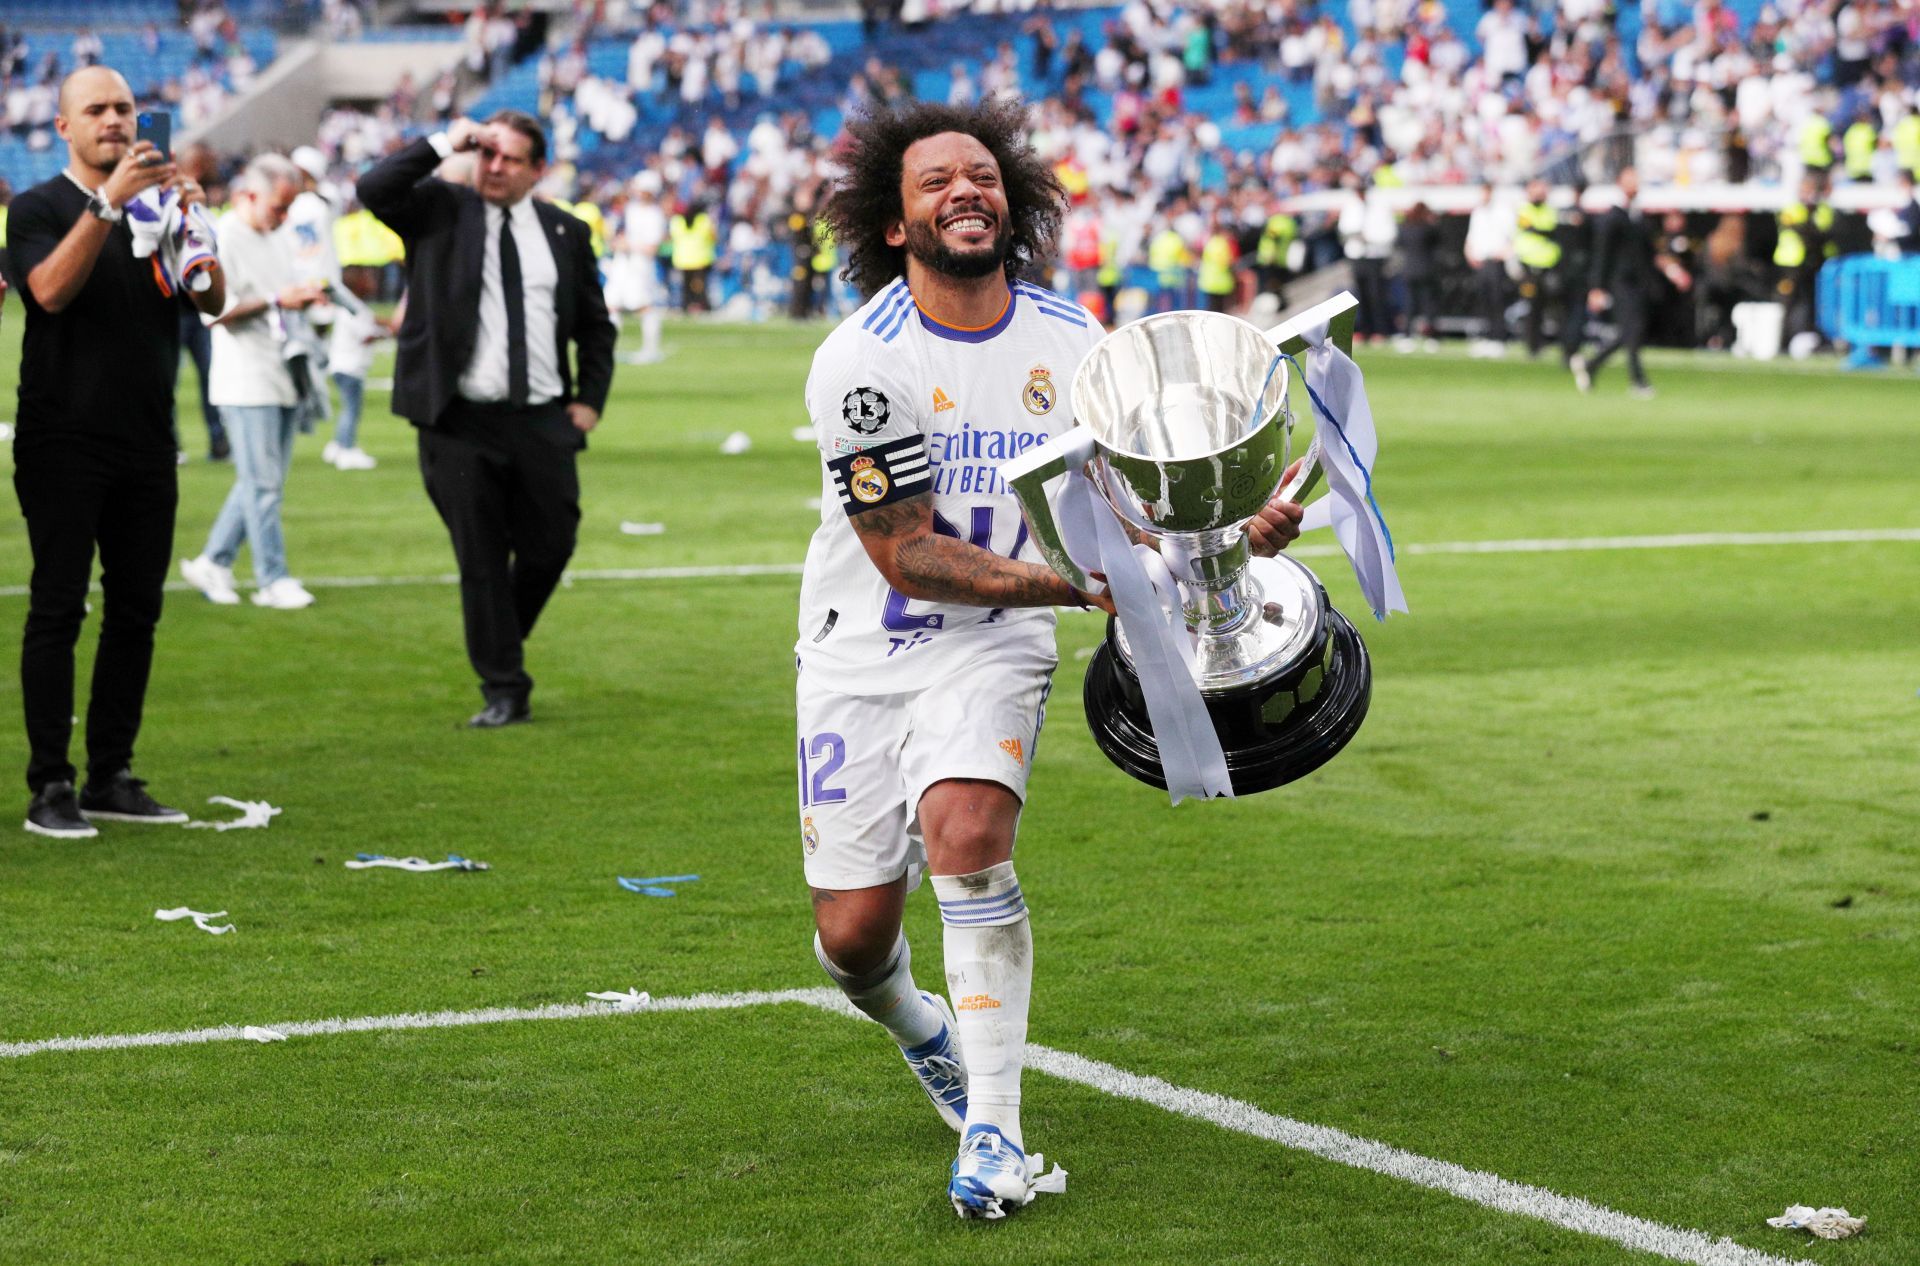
pixel 865 760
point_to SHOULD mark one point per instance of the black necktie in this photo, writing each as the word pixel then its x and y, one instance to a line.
pixel 516 314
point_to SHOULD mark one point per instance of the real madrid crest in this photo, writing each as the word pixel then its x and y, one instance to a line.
pixel 1038 395
pixel 809 835
pixel 869 483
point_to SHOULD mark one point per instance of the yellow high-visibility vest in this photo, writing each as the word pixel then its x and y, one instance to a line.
pixel 1109 274
pixel 1858 144
pixel 589 215
pixel 1790 251
pixel 1276 239
pixel 1533 242
pixel 3 226
pixel 1387 176
pixel 826 250
pixel 1168 256
pixel 694 241
pixel 361 240
pixel 1906 143
pixel 1216 265
pixel 1816 142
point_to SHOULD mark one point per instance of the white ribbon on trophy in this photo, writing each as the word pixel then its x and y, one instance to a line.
pixel 1339 396
pixel 1147 605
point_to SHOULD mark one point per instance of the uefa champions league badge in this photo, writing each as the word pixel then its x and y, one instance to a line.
pixel 865 410
pixel 869 483
pixel 809 835
pixel 1038 395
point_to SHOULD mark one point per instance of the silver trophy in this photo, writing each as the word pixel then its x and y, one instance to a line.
pixel 1184 429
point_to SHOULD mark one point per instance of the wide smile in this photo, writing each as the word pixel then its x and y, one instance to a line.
pixel 970 225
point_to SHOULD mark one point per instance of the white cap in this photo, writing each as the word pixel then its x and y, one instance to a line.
pixel 311 161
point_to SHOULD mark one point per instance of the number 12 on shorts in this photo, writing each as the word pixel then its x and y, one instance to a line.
pixel 813 782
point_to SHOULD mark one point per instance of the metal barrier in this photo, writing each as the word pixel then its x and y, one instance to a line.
pixel 1871 303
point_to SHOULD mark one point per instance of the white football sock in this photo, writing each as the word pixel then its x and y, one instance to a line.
pixel 989 948
pixel 888 995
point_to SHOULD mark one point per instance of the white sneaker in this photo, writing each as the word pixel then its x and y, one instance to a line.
pixel 211 579
pixel 330 453
pixel 284 594
pixel 1582 376
pixel 938 1065
pixel 355 458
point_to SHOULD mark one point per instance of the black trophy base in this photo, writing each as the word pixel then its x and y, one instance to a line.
pixel 1272 732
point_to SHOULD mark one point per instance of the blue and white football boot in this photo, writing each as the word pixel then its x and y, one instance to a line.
pixel 938 1065
pixel 990 1177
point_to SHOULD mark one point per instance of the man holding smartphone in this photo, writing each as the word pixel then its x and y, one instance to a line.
pixel 94 450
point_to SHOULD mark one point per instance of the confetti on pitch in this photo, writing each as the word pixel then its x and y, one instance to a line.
pixel 653 887
pixel 253 813
pixel 1827 1224
pixel 418 865
pixel 631 1000
pixel 201 919
pixel 254 1033
pixel 804 434
pixel 737 443
pixel 631 528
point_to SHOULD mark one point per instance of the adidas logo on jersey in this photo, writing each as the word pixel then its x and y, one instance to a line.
pixel 941 401
pixel 1012 748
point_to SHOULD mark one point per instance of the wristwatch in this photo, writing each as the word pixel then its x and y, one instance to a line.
pixel 101 209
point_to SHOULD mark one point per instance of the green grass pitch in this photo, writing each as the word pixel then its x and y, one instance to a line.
pixel 1615 893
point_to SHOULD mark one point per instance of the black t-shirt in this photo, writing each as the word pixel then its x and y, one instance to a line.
pixel 104 367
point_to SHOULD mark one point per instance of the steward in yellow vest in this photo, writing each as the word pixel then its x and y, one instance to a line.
pixel 1537 248
pixel 1906 142
pixel 695 243
pixel 1805 242
pixel 1857 144
pixel 1270 253
pixel 1816 143
pixel 1216 269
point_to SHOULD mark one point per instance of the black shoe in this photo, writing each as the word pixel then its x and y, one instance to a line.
pixel 219 450
pixel 56 812
pixel 124 798
pixel 499 712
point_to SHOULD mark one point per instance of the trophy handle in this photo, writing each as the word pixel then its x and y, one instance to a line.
pixel 1290 337
pixel 1028 474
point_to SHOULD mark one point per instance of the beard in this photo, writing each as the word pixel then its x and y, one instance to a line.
pixel 924 244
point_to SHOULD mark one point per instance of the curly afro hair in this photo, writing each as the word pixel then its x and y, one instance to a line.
pixel 867 199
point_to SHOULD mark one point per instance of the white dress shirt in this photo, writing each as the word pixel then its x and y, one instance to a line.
pixel 485 378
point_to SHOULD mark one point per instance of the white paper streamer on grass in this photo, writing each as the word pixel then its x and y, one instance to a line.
pixel 631 528
pixel 736 443
pixel 201 919
pixel 254 1033
pixel 1828 1224
pixel 803 434
pixel 631 1000
pixel 366 861
pixel 1051 1183
pixel 253 813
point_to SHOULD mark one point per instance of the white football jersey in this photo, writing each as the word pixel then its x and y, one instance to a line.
pixel 902 405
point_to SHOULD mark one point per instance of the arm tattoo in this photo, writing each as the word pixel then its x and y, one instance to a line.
pixel 937 568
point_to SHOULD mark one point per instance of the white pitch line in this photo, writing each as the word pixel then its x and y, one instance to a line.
pixel 1542 545
pixel 1489 1190
pixel 409 1020
pixel 1674 1243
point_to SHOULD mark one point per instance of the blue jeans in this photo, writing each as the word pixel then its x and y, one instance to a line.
pixel 262 438
pixel 346 427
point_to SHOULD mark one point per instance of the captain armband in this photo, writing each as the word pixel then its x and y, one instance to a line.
pixel 887 472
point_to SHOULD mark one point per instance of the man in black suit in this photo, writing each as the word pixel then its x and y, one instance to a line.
pixel 499 284
pixel 1625 258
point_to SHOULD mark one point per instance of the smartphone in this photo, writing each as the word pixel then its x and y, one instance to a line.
pixel 157 126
